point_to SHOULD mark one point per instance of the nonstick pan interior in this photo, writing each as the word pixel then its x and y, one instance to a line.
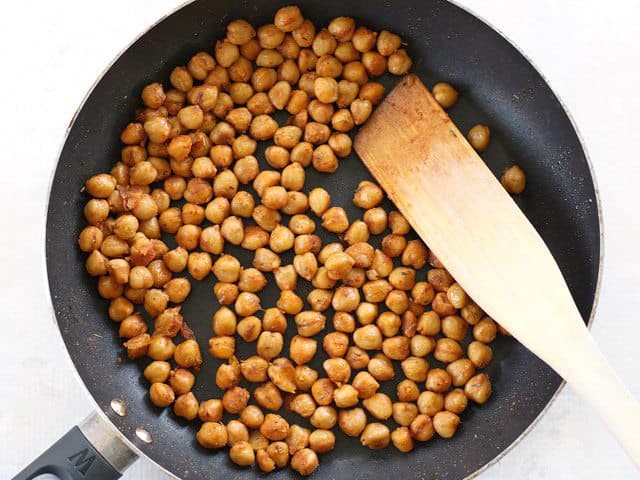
pixel 499 88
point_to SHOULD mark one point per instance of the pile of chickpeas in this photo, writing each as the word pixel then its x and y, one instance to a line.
pixel 193 145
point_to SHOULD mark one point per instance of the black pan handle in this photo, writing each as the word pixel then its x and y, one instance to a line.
pixel 88 452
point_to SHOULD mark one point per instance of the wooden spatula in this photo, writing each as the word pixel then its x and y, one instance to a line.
pixel 465 216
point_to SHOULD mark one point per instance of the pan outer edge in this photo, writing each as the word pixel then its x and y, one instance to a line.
pixel 130 443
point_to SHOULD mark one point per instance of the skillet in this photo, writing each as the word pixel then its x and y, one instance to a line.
pixel 499 87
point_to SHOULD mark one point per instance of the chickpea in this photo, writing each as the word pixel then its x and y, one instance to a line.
pixel 181 380
pixel 236 432
pixel 303 405
pixel 407 391
pixel 381 368
pixel 478 388
pixel 401 439
pixel 319 300
pixel 461 371
pixel 514 179
pixel 324 417
pixel 446 423
pixel 310 323
pixel 454 327
pixel 178 289
pixel 356 357
pixel 479 137
pixel 422 346
pixel 307 61
pixel 212 435
pixel 91 238
pixel 96 211
pixel 242 454
pixel 119 309
pixel 257 440
pixel 288 18
pixel 161 394
pixel 224 321
pixel 374 63
pixel 265 260
pixel 441 305
pixel 137 346
pixel 187 354
pixel 376 220
pixel 254 369
pixel 252 417
pixel 480 354
pixel 222 347
pixel 375 436
pixel 447 350
pixel 269 36
pixel 399 62
pixel 396 348
pixel 305 377
pixel 155 302
pixel 157 372
pixel 456 401
pixel 346 299
pixel 133 133
pixel 304 34
pixel 326 89
pixel 322 441
pixel 297 102
pixel 322 391
pixel 297 439
pixel 338 370
pixel 365 384
pixel 279 453
pixel 274 427
pixel 235 399
pixel 304 461
pixel 263 127
pixel 269 344
pixel 438 380
pixel 346 52
pixel 352 422
pixel 302 349
pixel 247 304
pixel 421 428
pixel 445 94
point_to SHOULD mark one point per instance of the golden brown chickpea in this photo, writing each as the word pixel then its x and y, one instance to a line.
pixel 101 185
pixel 346 52
pixel 224 321
pixel 364 39
pixel 178 289
pixel 188 236
pixel 119 309
pixel 176 259
pixel 338 370
pixel 307 61
pixel 319 299
pixel 257 440
pixel 485 330
pixel 446 423
pixel 368 337
pixel 365 384
pixel 402 278
pixel 445 94
pixel 265 260
pixel 396 348
pixel 374 63
pixel 352 422
pixel 454 327
pixel 399 62
pixel 322 391
pixel 324 417
pixel 242 454
pixel 355 72
pixel 357 358
pixel 274 427
pixel 375 436
pixel 279 453
pixel 263 79
pixel 254 369
pixel 280 94
pixel 324 43
pixel 269 36
pixel 243 147
pixel 404 413
pixel 393 245
pixel 240 93
pixel 288 18
pixel 407 391
pixel 368 313
pixel 316 134
pixel 514 180
pixel 376 220
pixel 187 354
pixel 345 299
pixel 269 344
pixel 421 428
pixel 252 417
pixel 161 348
pixel 401 439
pixel 342 121
pixel 263 127
pixel 381 368
pixel 303 226
pixel 96 211
pixel 415 368
pixel 235 399
pixel 422 346
pixel 133 134
pixel 305 377
pixel 304 461
pixel 161 394
pixel 397 301
pixel 388 323
pixel 320 112
pixel 157 371
pixel 456 401
pixel 430 403
pixel 479 137
pixel 239 119
pixel 480 354
pixel 140 277
pixel 239 32
pixel 137 346
pixel 298 102
pixel 297 439
pixel 155 302
pixel 303 404
pixel 91 238
pixel 199 265
pixel 153 95
pixel 438 380
pixel 335 220
pixel 181 380
pixel 328 66
pixel 212 435
pixel 460 371
pixel 447 350
pixel 247 304
pixel 236 432
pixel 326 89
pixel 211 411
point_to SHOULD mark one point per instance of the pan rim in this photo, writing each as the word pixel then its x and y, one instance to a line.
pixel 97 409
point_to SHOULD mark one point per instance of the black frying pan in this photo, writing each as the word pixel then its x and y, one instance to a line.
pixel 499 88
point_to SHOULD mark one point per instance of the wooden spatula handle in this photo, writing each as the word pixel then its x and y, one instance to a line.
pixel 589 373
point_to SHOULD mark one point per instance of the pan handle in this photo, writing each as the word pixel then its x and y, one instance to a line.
pixel 90 450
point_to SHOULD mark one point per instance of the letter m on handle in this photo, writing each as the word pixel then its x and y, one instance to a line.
pixel 82 461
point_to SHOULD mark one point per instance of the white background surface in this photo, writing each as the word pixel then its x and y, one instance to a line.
pixel 50 54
